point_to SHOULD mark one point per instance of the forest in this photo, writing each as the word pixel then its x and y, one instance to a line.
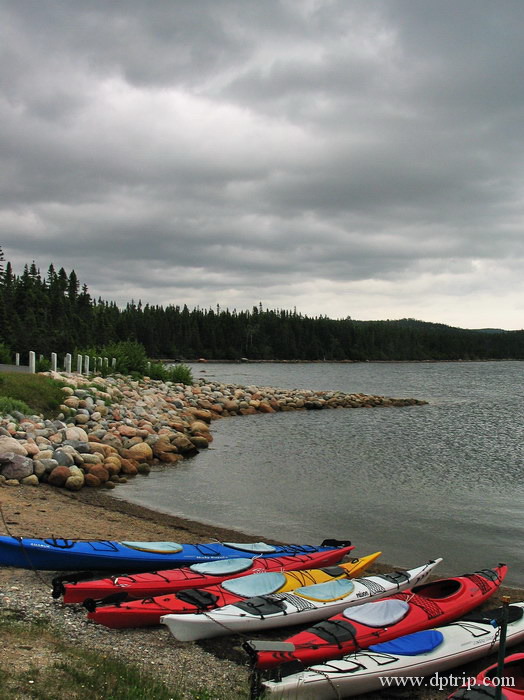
pixel 55 313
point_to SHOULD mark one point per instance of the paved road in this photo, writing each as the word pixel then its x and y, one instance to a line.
pixel 14 368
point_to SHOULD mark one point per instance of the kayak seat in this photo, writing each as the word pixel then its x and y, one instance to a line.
pixel 411 644
pixel 254 547
pixel 488 616
pixel 334 631
pixel 394 577
pixel 334 571
pixel 326 592
pixel 256 584
pixel 156 547
pixel 380 614
pixel 261 606
pixel 222 567
pixel 198 597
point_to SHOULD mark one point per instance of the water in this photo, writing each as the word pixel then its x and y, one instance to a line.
pixel 445 479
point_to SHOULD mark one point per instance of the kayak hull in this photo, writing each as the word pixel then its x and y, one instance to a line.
pixel 106 555
pixel 367 671
pixel 296 607
pixel 417 609
pixel 168 581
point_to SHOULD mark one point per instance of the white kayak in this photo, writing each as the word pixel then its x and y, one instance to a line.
pixel 413 656
pixel 303 605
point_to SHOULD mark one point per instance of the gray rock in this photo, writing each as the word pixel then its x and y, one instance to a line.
pixel 18 468
pixel 49 464
pixel 19 416
pixel 63 458
pixel 78 445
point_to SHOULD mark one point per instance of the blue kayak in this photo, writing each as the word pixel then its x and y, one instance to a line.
pixel 105 555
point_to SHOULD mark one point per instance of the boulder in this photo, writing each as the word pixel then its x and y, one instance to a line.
pixel 183 443
pixel 9 444
pixel 199 441
pixel 199 427
pixel 18 467
pixel 76 433
pixel 64 458
pixel 59 476
pixel 92 480
pixel 142 452
pixel 129 467
pixel 99 471
pixel 75 482
pixel 31 480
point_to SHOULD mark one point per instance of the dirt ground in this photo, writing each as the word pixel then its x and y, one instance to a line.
pixel 45 511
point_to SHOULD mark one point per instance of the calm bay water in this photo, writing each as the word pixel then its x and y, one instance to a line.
pixel 446 479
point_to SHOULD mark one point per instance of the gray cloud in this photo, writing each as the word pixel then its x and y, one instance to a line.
pixel 361 158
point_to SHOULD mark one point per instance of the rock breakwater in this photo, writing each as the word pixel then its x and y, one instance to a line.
pixel 113 428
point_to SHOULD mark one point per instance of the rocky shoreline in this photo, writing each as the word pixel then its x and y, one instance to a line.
pixel 113 428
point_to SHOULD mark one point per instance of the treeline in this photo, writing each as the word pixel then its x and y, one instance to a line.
pixel 53 313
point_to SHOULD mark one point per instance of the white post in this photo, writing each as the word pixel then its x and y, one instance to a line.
pixel 106 361
pixel 67 363
pixel 100 363
pixel 53 362
pixel 79 364
pixel 32 361
pixel 148 366
pixel 86 364
pixel 113 362
pixel 17 359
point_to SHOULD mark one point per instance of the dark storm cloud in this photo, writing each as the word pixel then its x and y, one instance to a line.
pixel 302 154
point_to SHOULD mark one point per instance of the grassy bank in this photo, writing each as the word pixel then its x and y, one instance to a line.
pixel 30 393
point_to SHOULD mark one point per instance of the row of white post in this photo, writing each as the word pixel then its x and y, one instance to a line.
pixel 83 362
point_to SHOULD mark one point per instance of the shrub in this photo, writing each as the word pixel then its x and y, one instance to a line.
pixel 180 373
pixel 130 356
pixel 43 365
pixel 8 405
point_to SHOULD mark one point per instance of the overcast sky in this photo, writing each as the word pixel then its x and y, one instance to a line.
pixel 357 158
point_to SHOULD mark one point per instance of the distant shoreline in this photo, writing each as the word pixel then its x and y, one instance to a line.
pixel 247 361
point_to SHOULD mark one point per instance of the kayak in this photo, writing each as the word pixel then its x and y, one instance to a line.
pixel 103 555
pixel 154 583
pixel 511 680
pixel 357 628
pixel 148 611
pixel 413 656
pixel 303 605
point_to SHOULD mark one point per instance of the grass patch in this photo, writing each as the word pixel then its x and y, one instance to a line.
pixel 42 395
pixel 39 663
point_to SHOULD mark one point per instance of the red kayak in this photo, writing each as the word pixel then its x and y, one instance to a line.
pixel 148 611
pixel 197 576
pixel 485 685
pixel 422 607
